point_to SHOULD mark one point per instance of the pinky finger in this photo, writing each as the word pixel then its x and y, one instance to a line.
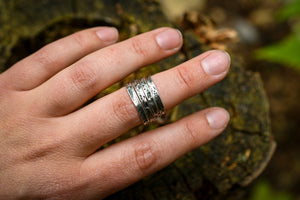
pixel 126 162
pixel 56 56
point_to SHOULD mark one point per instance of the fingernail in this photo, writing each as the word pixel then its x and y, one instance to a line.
pixel 169 39
pixel 108 35
pixel 217 118
pixel 216 63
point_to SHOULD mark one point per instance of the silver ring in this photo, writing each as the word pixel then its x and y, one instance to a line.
pixel 150 97
pixel 145 97
pixel 158 102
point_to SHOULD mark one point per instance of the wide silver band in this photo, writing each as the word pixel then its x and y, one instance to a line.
pixel 146 99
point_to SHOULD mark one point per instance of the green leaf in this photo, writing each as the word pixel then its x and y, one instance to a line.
pixel 264 191
pixel 285 52
pixel 290 10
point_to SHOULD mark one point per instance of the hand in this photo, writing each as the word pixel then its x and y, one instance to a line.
pixel 48 146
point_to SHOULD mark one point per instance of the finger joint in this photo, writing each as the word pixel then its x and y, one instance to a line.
pixel 146 155
pixel 47 59
pixel 83 76
pixel 185 77
pixel 80 39
pixel 124 110
pixel 191 133
pixel 137 47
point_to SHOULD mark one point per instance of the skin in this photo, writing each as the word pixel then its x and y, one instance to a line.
pixel 49 143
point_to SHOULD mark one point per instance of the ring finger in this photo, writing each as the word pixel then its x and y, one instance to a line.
pixel 114 114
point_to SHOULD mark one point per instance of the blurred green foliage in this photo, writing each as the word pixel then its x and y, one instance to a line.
pixel 264 191
pixel 286 51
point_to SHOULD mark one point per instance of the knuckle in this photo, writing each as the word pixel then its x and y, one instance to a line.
pixel 46 58
pixel 185 77
pixel 58 105
pixel 83 76
pixel 138 47
pixel 146 156
pixel 123 110
pixel 43 150
pixel 80 39
pixel 42 55
pixel 191 133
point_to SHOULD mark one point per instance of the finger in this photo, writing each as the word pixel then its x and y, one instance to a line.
pixel 126 162
pixel 40 66
pixel 116 113
pixel 78 83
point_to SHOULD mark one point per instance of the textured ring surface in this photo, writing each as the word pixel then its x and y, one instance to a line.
pixel 136 101
pixel 146 99
pixel 150 97
pixel 143 100
pixel 160 106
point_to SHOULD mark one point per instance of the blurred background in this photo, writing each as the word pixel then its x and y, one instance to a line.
pixel 266 36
